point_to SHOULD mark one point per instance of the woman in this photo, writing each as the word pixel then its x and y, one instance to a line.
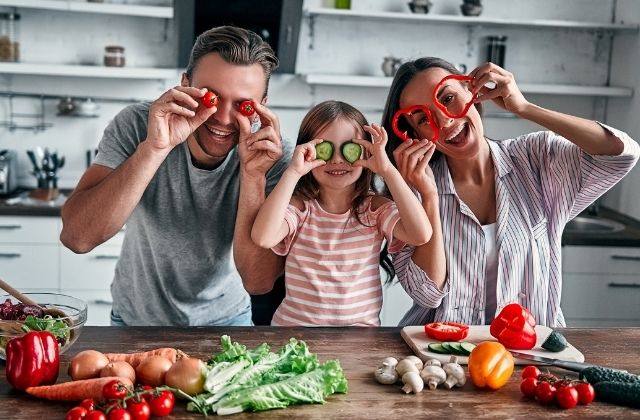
pixel 503 205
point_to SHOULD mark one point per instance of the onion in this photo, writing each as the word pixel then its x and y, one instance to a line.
pixel 187 375
pixel 121 369
pixel 151 370
pixel 87 364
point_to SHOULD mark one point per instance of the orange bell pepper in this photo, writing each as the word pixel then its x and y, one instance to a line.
pixel 490 365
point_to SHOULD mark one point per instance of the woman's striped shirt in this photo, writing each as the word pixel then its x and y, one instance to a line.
pixel 332 273
pixel 542 181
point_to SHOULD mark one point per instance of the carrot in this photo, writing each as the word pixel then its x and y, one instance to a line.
pixel 134 359
pixel 75 390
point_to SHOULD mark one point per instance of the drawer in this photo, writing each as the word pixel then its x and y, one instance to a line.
pixel 98 305
pixel 601 297
pixel 90 271
pixel 21 229
pixel 30 267
pixel 588 259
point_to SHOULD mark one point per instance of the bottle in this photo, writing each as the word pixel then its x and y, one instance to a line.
pixel 9 46
pixel 343 4
pixel 114 56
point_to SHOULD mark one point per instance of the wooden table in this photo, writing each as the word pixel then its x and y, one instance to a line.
pixel 359 350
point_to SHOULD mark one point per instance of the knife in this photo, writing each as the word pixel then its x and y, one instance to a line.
pixel 564 364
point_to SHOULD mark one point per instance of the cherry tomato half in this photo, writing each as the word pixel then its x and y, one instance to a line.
pixel 114 390
pixel 446 331
pixel 210 99
pixel 162 404
pixel 246 108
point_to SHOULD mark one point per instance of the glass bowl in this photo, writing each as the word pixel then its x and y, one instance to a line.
pixel 74 308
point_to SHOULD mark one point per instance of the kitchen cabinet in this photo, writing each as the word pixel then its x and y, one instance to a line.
pixel 396 302
pixel 600 286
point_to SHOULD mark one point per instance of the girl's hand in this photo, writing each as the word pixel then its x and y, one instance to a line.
pixel 377 159
pixel 412 159
pixel 304 158
pixel 505 94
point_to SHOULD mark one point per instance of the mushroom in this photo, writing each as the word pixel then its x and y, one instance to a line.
pixel 433 362
pixel 412 382
pixel 386 373
pixel 433 376
pixel 455 373
pixel 406 365
pixel 416 361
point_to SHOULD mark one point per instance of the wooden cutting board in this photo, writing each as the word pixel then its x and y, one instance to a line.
pixel 416 338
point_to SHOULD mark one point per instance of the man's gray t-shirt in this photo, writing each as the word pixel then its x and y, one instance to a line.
pixel 176 265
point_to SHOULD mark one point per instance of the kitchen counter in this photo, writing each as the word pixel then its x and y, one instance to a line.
pixel 360 351
pixel 629 237
pixel 20 204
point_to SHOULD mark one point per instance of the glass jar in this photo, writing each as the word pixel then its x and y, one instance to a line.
pixel 114 56
pixel 9 45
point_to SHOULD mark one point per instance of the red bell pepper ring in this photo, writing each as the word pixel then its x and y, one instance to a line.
pixel 514 327
pixel 246 108
pixel 446 331
pixel 442 107
pixel 32 360
pixel 407 112
pixel 210 99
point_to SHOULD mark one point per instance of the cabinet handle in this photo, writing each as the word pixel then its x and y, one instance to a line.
pixel 10 255
pixel 625 285
pixel 106 257
pixel 102 302
pixel 626 257
pixel 10 227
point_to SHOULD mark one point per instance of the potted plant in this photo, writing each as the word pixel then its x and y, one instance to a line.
pixel 471 7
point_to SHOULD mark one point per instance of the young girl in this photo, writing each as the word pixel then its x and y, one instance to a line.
pixel 324 216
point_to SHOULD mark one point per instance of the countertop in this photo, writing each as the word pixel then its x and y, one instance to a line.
pixel 20 204
pixel 360 351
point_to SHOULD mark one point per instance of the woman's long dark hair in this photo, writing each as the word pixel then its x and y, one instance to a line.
pixel 404 75
pixel 316 120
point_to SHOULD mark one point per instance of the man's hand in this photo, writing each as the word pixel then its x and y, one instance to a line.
pixel 174 116
pixel 261 150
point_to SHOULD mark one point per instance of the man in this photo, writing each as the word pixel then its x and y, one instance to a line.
pixel 172 172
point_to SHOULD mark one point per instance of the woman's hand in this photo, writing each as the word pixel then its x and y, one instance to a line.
pixel 174 116
pixel 412 160
pixel 505 94
pixel 376 157
pixel 304 158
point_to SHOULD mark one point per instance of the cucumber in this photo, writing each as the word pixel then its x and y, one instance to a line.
pixel 447 346
pixel 621 393
pixel 437 348
pixel 467 348
pixel 555 342
pixel 596 374
pixel 456 348
pixel 351 151
pixel 324 150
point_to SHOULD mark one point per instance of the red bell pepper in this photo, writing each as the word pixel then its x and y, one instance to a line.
pixel 32 360
pixel 514 327
pixel 446 331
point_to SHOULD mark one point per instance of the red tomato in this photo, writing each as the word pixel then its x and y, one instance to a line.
pixel 148 394
pixel 139 410
pixel 567 396
pixel 89 404
pixel 114 390
pixel 210 99
pixel 545 392
pixel 530 372
pixel 529 386
pixel 446 331
pixel 76 413
pixel 95 415
pixel 586 393
pixel 162 405
pixel 119 414
pixel 246 108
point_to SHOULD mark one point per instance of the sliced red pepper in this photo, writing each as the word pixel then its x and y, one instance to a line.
pixel 407 112
pixel 441 106
pixel 246 108
pixel 210 99
pixel 32 360
pixel 515 327
pixel 446 331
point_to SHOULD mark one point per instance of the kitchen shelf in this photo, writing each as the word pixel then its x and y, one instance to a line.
pixel 86 7
pixel 535 88
pixel 89 71
pixel 471 20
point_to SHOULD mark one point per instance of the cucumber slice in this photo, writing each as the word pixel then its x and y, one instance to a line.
pixel 447 346
pixel 351 151
pixel 467 348
pixel 324 150
pixel 455 347
pixel 437 348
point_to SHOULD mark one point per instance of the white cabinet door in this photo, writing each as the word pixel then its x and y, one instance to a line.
pixel 30 267
pixel 25 230
pixel 90 271
pixel 98 305
pixel 396 302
